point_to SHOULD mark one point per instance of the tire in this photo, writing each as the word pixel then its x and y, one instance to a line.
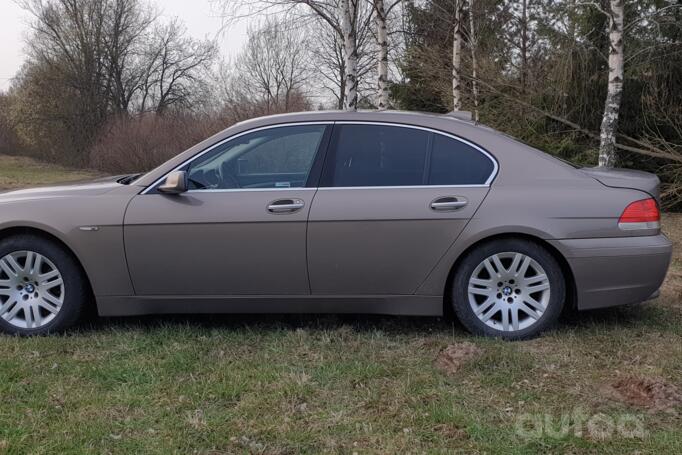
pixel 496 278
pixel 53 306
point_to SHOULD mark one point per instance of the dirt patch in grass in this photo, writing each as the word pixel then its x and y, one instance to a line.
pixel 454 356
pixel 451 432
pixel 652 394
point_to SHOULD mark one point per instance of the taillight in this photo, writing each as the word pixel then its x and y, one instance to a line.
pixel 642 214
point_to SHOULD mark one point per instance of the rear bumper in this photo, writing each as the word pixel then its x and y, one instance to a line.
pixel 616 271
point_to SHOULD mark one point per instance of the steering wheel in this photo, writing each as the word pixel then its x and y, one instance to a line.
pixel 226 178
pixel 196 183
pixel 230 181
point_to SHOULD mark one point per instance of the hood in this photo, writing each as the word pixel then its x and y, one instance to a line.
pixel 626 178
pixel 82 188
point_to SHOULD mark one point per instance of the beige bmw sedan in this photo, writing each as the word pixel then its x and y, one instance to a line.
pixel 366 212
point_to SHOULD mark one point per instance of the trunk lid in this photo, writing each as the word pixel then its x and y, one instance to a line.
pixel 627 178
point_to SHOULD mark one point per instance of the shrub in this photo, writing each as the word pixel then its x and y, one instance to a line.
pixel 9 139
pixel 137 144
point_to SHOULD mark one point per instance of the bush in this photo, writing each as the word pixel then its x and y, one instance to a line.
pixel 9 139
pixel 137 144
pixel 129 144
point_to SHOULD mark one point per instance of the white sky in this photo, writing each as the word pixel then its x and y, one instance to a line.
pixel 198 15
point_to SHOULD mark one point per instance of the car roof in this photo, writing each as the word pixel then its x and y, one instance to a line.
pixel 407 117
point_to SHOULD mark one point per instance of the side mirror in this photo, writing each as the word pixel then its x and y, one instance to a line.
pixel 176 183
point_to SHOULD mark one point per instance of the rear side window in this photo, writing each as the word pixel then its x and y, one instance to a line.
pixel 380 155
pixel 455 163
pixel 377 155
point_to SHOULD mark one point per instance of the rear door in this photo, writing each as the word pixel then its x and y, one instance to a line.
pixel 392 200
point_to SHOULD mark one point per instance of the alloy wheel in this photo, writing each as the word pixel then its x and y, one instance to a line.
pixel 31 289
pixel 509 291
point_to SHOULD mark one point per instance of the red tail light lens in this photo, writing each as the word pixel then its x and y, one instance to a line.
pixel 642 214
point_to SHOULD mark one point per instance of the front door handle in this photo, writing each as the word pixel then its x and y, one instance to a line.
pixel 286 206
pixel 449 203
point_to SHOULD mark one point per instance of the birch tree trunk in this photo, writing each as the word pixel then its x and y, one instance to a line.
pixel 350 53
pixel 524 45
pixel 474 61
pixel 609 125
pixel 382 63
pixel 457 58
pixel 408 25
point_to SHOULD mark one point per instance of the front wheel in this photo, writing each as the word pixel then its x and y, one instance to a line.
pixel 508 288
pixel 42 288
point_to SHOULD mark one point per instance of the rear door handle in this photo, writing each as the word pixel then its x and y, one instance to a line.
pixel 449 203
pixel 286 206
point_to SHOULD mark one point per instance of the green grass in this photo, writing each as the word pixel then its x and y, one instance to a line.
pixel 306 384
pixel 18 171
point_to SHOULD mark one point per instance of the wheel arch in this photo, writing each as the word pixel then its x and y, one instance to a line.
pixel 46 234
pixel 569 278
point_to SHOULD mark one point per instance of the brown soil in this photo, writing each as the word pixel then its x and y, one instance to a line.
pixel 652 394
pixel 451 431
pixel 451 359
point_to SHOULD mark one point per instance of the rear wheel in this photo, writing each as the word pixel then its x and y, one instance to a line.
pixel 42 289
pixel 508 288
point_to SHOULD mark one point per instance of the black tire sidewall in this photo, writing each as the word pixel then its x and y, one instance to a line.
pixel 75 290
pixel 460 296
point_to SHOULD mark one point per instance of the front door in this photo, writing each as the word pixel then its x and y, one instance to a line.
pixel 392 200
pixel 241 227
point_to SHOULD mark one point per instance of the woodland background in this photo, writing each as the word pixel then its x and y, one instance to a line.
pixel 109 85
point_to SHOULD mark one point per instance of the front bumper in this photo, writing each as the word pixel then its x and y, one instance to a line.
pixel 616 271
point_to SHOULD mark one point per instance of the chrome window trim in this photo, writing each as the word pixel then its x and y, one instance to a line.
pixel 330 122
pixel 413 187
pixel 242 190
pixel 224 141
pixel 329 188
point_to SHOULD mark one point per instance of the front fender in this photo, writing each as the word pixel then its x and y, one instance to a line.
pixel 100 250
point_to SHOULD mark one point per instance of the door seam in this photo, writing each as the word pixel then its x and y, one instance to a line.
pixel 125 244
pixel 445 253
pixel 307 226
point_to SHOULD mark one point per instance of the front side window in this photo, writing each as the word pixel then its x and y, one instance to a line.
pixel 273 158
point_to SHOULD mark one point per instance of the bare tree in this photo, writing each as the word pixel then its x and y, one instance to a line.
pixel 90 60
pixel 473 40
pixel 524 45
pixel 342 16
pixel 520 30
pixel 349 15
pixel 175 69
pixel 457 57
pixel 327 57
pixel 327 51
pixel 381 14
pixel 609 126
pixel 68 72
pixel 129 24
pixel 273 69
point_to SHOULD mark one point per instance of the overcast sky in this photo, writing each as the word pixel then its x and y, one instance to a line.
pixel 200 19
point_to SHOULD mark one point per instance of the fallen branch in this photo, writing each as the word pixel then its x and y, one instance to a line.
pixel 644 149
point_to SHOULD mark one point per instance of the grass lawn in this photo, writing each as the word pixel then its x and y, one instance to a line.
pixel 331 384
pixel 19 171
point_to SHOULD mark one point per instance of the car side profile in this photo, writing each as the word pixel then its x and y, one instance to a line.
pixel 338 212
